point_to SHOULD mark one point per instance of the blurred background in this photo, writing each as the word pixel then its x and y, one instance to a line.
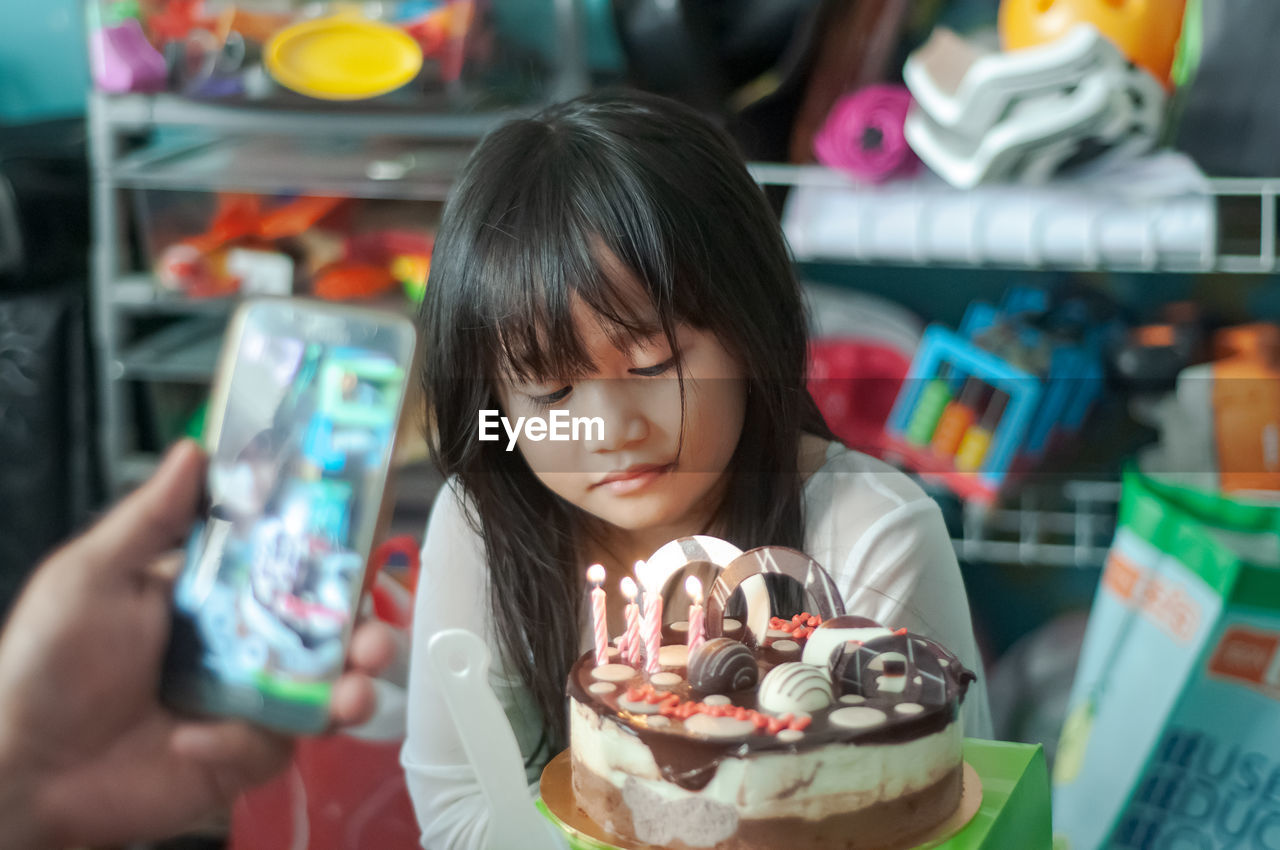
pixel 1039 238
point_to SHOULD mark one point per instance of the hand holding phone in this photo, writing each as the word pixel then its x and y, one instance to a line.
pixel 300 428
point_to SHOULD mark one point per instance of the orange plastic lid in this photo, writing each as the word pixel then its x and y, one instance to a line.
pixel 1146 31
pixel 342 57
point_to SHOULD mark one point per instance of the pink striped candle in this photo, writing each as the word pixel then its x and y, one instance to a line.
pixel 595 575
pixel 651 629
pixel 697 621
pixel 629 646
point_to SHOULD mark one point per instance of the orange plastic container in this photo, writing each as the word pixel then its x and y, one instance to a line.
pixel 1246 405
pixel 1146 31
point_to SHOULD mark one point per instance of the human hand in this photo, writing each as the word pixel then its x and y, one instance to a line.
pixel 96 757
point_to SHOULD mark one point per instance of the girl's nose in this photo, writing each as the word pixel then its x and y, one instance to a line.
pixel 622 412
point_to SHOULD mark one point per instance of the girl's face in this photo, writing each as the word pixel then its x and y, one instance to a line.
pixel 629 475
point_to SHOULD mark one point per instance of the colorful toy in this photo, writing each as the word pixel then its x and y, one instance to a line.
pixel 989 399
pixel 863 134
pixel 1146 31
pixel 342 57
pixel 122 60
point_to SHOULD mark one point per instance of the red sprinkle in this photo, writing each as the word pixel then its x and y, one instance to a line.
pixel 800 723
pixel 797 618
pixel 812 621
pixel 740 713
pixel 775 725
pixel 635 694
pixel 900 632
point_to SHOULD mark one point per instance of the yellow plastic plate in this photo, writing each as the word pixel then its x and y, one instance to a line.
pixel 342 57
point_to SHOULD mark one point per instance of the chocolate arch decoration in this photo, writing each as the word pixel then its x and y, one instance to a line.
pixel 817 583
pixel 674 556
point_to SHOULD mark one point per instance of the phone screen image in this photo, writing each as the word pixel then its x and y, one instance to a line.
pixel 264 603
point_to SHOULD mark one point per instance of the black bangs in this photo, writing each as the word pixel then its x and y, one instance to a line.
pixel 566 221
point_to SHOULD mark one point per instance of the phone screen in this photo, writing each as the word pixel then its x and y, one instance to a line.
pixel 297 467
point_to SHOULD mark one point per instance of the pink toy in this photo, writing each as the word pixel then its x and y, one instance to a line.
pixel 123 60
pixel 863 134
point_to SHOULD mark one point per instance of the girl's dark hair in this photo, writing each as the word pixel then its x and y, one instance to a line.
pixel 666 193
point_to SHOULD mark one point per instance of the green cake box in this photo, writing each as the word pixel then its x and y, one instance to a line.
pixel 1172 736
pixel 1013 813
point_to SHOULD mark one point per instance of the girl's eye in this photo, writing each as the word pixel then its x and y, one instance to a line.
pixel 551 398
pixel 654 371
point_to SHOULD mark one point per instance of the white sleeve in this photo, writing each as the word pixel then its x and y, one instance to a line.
pixel 902 572
pixel 452 812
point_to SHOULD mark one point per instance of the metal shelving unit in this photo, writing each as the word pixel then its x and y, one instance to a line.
pixel 363 153
pixel 1069 524
pixel 1209 225
pixel 413 156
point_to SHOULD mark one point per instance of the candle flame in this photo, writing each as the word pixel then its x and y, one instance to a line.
pixel 628 588
pixel 693 587
pixel 641 570
pixel 595 574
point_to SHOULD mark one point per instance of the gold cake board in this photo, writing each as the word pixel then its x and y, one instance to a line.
pixel 556 789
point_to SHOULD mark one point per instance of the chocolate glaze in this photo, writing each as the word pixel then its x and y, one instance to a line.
pixel 690 761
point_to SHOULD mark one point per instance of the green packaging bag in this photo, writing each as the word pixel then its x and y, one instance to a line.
pixel 1172 737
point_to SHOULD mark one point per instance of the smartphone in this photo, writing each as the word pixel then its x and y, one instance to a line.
pixel 303 413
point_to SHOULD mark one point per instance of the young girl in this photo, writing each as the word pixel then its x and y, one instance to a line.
pixel 613 258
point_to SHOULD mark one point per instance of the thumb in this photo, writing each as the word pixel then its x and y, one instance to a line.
pixel 153 519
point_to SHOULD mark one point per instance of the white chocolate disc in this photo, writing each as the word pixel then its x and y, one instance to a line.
pixel 613 673
pixel 731 625
pixel 820 645
pixel 877 663
pixel 786 646
pixel 853 699
pixel 716 699
pixel 857 717
pixel 679 626
pixel 673 655
pixel 665 679
pixel 640 707
pixel 602 687
pixel 658 721
pixel 719 727
pixel 890 684
pixel 790 736
pixel 908 708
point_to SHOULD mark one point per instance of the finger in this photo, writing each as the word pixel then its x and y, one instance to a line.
pixel 248 754
pixel 352 702
pixel 153 519
pixel 374 646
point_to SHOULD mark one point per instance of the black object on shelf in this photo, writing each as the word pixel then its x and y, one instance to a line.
pixel 47 480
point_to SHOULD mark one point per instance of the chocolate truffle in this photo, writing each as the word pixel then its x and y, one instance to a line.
pixel 722 665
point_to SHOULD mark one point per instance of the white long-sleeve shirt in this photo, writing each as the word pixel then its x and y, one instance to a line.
pixel 879 535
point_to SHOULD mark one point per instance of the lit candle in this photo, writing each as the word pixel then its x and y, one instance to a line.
pixel 697 627
pixel 630 644
pixel 595 575
pixel 652 626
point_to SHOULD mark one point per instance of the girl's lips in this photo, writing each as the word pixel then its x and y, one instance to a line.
pixel 631 480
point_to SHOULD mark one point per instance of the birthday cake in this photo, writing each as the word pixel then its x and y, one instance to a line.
pixel 809 729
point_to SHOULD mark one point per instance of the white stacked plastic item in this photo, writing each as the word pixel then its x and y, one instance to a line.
pixel 1146 213
pixel 983 115
pixel 460 661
